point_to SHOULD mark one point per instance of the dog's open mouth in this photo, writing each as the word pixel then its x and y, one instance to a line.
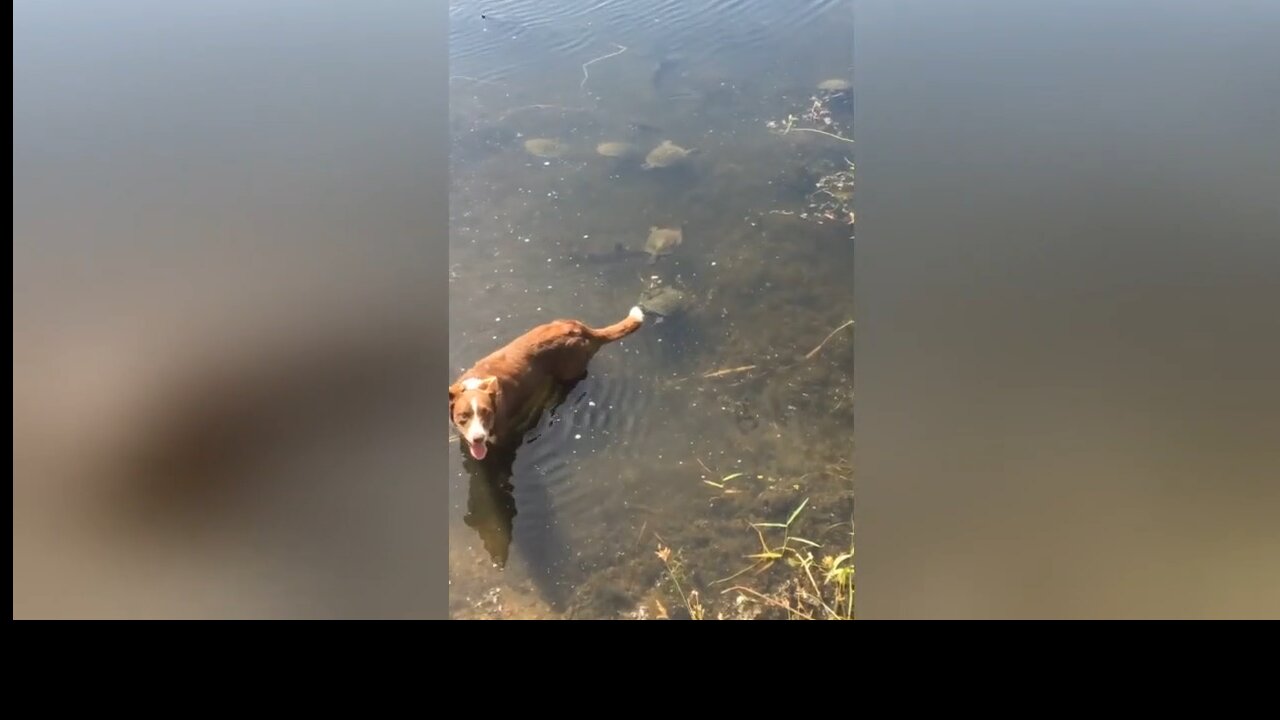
pixel 478 449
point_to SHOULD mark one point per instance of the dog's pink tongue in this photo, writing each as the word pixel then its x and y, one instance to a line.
pixel 478 450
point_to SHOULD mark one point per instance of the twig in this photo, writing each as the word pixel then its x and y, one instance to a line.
pixel 513 111
pixel 704 467
pixel 585 75
pixel 472 79
pixel 663 553
pixel 771 601
pixel 818 596
pixel 740 573
pixel 728 371
pixel 824 342
pixel 822 132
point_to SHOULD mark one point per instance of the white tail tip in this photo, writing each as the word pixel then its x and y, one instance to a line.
pixel 636 314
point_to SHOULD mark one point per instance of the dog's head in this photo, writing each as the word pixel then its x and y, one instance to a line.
pixel 472 406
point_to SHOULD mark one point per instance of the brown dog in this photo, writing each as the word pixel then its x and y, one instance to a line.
pixel 504 391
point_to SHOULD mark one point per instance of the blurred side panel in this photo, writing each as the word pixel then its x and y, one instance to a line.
pixel 230 310
pixel 1068 280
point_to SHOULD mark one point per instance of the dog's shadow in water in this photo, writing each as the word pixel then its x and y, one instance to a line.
pixel 491 505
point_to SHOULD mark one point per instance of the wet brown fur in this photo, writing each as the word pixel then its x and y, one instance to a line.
pixel 518 377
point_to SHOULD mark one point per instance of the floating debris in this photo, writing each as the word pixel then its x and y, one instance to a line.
pixel 826 114
pixel 830 200
pixel 833 198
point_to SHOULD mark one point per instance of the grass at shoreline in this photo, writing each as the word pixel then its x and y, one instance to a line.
pixel 801 581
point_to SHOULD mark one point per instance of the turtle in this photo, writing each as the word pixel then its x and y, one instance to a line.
pixel 543 147
pixel 662 241
pixel 664 301
pixel 834 85
pixel 666 155
pixel 616 149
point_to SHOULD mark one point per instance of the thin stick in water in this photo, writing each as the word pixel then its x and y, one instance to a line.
pixel 771 601
pixel 585 75
pixel 824 342
pixel 471 79
pixel 522 108
pixel 822 132
pixel 728 371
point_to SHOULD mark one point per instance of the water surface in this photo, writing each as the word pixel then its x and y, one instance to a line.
pixel 618 469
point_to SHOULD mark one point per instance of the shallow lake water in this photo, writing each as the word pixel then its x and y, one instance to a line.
pixel 751 382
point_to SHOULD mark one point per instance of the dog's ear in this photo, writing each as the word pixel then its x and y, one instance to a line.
pixel 487 384
pixel 454 389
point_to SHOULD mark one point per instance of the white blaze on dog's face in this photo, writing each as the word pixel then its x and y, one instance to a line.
pixel 471 406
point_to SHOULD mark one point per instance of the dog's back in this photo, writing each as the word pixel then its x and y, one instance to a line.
pixel 563 348
pixel 522 371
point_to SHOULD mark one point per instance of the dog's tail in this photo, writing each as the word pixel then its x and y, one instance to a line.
pixel 619 330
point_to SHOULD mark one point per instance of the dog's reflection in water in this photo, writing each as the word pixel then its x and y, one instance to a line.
pixel 494 404
pixel 491 502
